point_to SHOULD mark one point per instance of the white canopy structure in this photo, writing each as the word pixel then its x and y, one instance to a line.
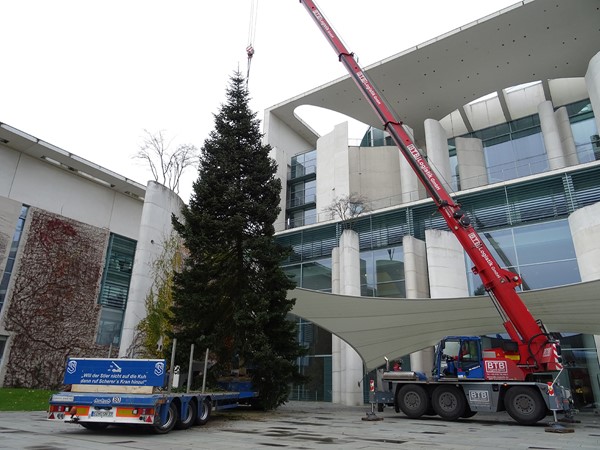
pixel 376 327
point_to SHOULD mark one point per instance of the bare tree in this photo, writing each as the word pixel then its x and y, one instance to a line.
pixel 347 208
pixel 166 166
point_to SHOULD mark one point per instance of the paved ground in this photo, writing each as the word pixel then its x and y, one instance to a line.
pixel 303 425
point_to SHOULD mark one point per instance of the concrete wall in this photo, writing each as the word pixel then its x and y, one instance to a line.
pixel 155 228
pixel 592 82
pixel 375 174
pixel 37 183
pixel 333 168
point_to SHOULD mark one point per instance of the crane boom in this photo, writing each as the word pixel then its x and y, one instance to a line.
pixel 538 351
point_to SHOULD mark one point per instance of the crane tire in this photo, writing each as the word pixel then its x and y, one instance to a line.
pixel 412 400
pixel 525 404
pixel 449 402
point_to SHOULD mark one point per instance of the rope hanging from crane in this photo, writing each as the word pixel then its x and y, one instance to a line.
pixel 251 33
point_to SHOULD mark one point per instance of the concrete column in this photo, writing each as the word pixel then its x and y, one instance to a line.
pixel 551 135
pixel 336 342
pixel 592 83
pixel 446 265
pixel 417 286
pixel 155 227
pixel 566 136
pixel 415 268
pixel 585 230
pixel 437 152
pixel 471 163
pixel 351 365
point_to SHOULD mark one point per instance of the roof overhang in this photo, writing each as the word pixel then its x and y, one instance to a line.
pixel 38 149
pixel 377 327
pixel 530 41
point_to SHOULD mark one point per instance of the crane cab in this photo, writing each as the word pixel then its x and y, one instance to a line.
pixel 459 357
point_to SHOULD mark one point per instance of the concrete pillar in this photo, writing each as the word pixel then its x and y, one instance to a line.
pixel 566 136
pixel 447 274
pixel 446 265
pixel 472 169
pixel 585 230
pixel 336 342
pixel 415 268
pixel 437 152
pixel 551 136
pixel 350 363
pixel 417 286
pixel 592 83
pixel 155 227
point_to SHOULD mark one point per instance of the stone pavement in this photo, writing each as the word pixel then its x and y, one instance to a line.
pixel 304 425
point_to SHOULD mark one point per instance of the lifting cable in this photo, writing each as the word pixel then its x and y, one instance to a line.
pixel 251 34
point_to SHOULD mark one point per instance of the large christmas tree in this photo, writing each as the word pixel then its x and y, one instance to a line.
pixel 231 296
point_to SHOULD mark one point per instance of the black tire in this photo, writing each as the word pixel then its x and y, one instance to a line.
pixel 380 407
pixel 184 422
pixel 468 413
pixel 449 402
pixel 172 417
pixel 94 426
pixel 525 404
pixel 412 400
pixel 204 413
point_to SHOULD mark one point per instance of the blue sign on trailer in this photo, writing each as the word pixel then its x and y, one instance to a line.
pixel 117 372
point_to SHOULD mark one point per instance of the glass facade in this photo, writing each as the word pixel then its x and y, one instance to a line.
pixel 114 289
pixel 302 190
pixel 543 254
pixel 524 225
pixel 10 263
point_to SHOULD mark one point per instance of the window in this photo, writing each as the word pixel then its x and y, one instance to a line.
pixel 382 273
pixel 3 340
pixel 543 254
pixel 4 281
pixel 114 289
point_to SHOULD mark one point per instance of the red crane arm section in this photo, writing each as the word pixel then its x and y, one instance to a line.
pixel 498 282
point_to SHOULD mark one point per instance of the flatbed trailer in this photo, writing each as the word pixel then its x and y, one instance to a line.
pixel 108 392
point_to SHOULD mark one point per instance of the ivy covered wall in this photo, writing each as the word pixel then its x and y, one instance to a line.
pixel 52 309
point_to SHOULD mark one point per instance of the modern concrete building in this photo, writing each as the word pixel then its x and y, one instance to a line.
pixel 75 244
pixel 504 110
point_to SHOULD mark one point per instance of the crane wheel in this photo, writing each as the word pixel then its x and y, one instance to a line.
pixel 449 402
pixel 525 404
pixel 412 400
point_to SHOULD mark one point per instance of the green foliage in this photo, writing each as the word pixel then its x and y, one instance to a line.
pixel 231 295
pixel 156 327
pixel 24 399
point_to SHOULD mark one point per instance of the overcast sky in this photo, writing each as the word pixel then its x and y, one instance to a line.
pixel 89 76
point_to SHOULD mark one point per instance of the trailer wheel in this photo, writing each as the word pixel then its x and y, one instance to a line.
pixel 525 404
pixel 449 402
pixel 413 400
pixel 94 426
pixel 204 415
pixel 183 423
pixel 169 423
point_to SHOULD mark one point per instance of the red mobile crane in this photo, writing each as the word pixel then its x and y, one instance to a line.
pixel 538 353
